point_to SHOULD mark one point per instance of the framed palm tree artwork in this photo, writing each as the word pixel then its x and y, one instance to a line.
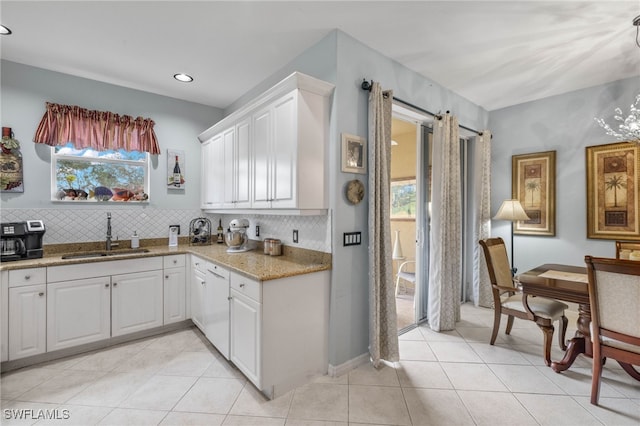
pixel 534 185
pixel 613 179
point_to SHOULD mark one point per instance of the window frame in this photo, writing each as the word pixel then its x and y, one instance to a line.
pixel 55 157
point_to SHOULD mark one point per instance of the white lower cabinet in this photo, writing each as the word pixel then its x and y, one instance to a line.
pixel 174 295
pixel 4 315
pixel 279 329
pixel 78 312
pixel 198 281
pixel 216 307
pixel 245 319
pixel 210 302
pixel 136 302
pixel 175 289
pixel 27 320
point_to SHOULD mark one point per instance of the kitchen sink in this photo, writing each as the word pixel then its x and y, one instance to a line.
pixel 86 255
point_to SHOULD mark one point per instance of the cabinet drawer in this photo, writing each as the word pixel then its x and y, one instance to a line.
pixel 246 286
pixel 80 271
pixel 173 261
pixel 218 271
pixel 28 276
pixel 198 264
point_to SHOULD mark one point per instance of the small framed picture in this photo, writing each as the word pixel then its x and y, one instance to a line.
pixel 175 169
pixel 354 154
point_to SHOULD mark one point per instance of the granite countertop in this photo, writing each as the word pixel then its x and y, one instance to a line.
pixel 253 264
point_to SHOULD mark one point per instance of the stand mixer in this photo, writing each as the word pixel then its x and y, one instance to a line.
pixel 236 236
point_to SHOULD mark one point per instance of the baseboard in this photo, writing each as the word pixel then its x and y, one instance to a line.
pixel 339 370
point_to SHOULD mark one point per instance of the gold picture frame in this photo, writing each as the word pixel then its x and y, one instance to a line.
pixel 613 179
pixel 533 183
pixel 354 154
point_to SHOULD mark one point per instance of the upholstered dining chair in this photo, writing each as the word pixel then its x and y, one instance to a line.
pixel 508 300
pixel 614 296
pixel 623 248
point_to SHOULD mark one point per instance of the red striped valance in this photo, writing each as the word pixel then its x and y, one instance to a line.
pixel 98 130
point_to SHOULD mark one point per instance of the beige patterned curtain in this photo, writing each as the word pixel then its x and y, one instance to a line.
pixel 383 333
pixel 481 290
pixel 445 263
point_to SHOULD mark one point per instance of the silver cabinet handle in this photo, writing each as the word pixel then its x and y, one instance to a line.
pixel 115 284
pixel 166 276
pixel 242 285
pixel 106 286
pixel 215 274
pixel 41 294
pixel 175 261
pixel 27 277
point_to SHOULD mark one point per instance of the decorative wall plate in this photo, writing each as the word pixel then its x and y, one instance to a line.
pixel 355 191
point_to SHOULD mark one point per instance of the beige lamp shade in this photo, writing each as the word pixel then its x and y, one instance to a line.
pixel 511 210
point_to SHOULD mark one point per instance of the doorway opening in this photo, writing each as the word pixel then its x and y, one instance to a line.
pixel 410 195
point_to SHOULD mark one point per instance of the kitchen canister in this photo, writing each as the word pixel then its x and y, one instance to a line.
pixel 272 247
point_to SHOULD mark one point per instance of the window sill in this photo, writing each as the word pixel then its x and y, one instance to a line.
pixel 100 202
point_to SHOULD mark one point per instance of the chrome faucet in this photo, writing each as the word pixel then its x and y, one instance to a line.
pixel 110 244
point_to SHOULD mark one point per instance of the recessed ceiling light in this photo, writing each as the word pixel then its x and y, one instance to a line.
pixel 4 30
pixel 183 77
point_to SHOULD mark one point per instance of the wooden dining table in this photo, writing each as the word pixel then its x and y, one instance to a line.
pixel 569 284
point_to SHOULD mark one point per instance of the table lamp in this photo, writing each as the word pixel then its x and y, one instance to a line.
pixel 511 210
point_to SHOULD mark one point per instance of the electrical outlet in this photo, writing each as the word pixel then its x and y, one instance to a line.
pixel 295 236
pixel 257 230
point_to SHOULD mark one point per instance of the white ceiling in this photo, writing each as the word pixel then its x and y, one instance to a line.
pixel 495 54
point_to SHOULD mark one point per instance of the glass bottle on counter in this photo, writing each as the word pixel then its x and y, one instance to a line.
pixel 220 232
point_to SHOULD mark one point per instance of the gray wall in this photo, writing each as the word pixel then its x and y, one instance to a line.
pixel 25 90
pixel 344 61
pixel 563 123
pixel 350 297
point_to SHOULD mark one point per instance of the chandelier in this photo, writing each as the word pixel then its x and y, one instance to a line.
pixel 629 127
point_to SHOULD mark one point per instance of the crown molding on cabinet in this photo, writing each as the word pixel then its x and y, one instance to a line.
pixel 296 80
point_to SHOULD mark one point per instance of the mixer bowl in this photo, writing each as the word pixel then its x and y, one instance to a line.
pixel 235 239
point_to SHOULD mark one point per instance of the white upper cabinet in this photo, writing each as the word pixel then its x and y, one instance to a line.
pixel 262 141
pixel 206 176
pixel 275 150
pixel 236 166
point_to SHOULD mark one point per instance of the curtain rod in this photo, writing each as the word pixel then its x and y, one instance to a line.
pixel 366 85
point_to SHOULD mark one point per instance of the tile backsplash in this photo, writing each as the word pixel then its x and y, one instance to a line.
pixel 90 224
pixel 314 232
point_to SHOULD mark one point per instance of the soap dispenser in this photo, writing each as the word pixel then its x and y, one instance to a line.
pixel 135 240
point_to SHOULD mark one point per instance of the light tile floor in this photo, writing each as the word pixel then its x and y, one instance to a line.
pixel 442 379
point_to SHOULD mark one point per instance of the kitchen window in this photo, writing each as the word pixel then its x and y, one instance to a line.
pixel 87 175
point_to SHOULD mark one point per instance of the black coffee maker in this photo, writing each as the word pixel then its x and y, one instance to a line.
pixel 21 240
